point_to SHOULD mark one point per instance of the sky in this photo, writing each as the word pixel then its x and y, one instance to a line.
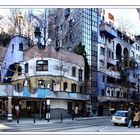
pixel 125 13
pixel 130 15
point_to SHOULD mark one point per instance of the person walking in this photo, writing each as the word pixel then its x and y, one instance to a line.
pixel 136 118
pixel 131 115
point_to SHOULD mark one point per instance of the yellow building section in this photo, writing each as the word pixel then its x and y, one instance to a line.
pixel 49 82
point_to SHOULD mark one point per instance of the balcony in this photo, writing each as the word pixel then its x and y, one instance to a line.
pixel 108 30
pixel 111 73
pixel 109 98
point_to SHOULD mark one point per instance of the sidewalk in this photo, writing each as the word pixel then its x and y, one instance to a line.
pixel 26 121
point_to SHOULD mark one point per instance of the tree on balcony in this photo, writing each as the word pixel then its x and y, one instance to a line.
pixel 124 77
pixel 132 64
pixel 80 49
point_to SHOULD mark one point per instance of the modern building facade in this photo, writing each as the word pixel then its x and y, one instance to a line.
pixel 70 26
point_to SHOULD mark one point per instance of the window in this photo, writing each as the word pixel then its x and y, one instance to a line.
pixel 65 84
pixel 42 65
pixel 94 53
pixel 102 51
pixel 94 84
pixel 102 38
pixel 73 71
pixel 134 75
pixel 70 37
pixel 41 83
pixel 103 92
pixel 80 75
pixel 66 38
pixel 73 87
pixel 19 70
pixel 94 68
pixel 109 54
pixel 26 67
pixel 61 27
pixel 70 23
pixel 57 42
pixel 132 54
pixel 112 55
pixel 67 12
pixel 81 89
pixel 12 48
pixel 21 46
pixel 103 78
pixel 101 63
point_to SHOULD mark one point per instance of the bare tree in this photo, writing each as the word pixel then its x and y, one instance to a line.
pixel 15 20
pixel 41 21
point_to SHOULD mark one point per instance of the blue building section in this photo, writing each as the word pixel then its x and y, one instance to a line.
pixel 40 93
pixel 26 92
pixel 101 84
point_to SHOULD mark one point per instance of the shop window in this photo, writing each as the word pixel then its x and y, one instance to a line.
pixel 42 65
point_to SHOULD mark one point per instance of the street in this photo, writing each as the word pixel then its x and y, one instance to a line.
pixel 97 124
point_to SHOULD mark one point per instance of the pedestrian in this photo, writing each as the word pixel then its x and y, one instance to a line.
pixel 76 111
pixel 139 119
pixel 131 115
pixel 136 118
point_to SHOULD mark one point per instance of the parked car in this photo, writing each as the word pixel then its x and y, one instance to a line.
pixel 120 117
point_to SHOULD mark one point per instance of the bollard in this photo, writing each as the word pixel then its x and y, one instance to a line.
pixel 48 119
pixel 17 117
pixel 34 119
pixel 18 120
pixel 61 117
pixel 72 116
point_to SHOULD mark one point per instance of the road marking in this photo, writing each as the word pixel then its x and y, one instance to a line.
pixel 102 129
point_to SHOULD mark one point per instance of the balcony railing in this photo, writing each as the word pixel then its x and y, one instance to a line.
pixel 108 30
pixel 112 73
pixel 110 98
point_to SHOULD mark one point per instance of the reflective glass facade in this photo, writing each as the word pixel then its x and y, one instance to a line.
pixel 89 25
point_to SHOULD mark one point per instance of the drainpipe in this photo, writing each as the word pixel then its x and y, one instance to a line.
pixel 40 109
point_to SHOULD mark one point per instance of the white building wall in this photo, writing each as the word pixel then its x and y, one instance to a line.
pixel 54 68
